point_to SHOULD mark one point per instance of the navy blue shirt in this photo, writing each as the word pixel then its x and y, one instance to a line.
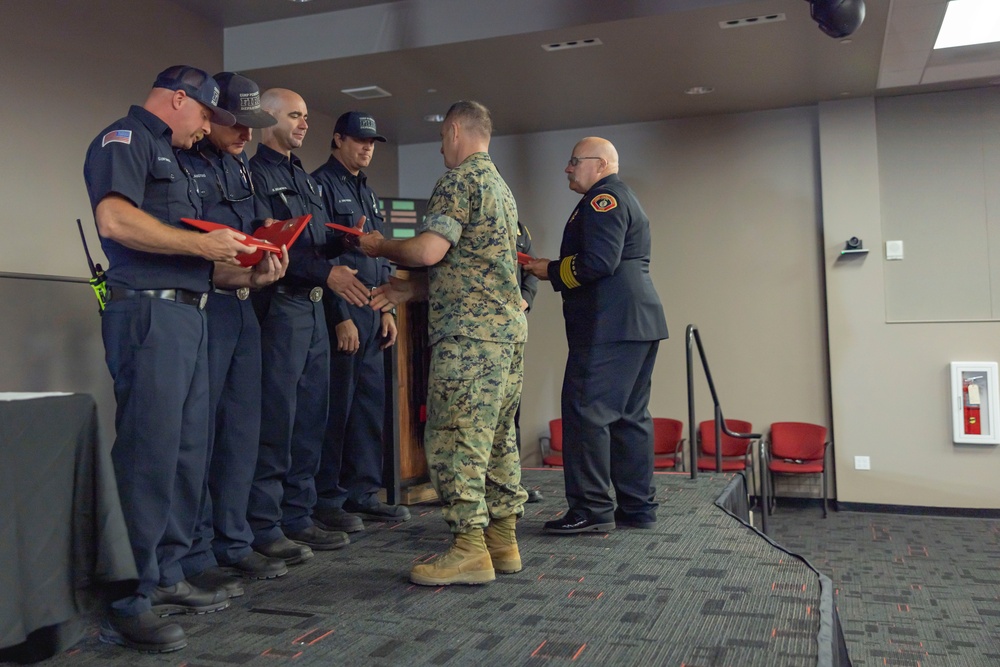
pixel 284 190
pixel 133 158
pixel 223 182
pixel 347 198
pixel 603 269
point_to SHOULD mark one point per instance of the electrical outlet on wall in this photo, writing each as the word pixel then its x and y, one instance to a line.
pixel 862 463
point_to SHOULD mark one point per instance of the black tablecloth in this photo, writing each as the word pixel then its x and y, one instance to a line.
pixel 63 542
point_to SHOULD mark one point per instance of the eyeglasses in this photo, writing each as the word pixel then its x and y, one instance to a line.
pixel 575 161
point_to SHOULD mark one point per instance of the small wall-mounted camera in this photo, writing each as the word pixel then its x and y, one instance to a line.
pixel 853 243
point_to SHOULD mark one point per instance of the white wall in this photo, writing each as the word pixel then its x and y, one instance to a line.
pixel 890 381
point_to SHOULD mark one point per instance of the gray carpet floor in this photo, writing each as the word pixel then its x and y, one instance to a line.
pixel 700 589
pixel 911 591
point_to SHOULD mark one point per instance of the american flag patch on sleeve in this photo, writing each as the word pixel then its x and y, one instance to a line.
pixel 121 136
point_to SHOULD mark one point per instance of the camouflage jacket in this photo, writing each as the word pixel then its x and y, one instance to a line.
pixel 473 289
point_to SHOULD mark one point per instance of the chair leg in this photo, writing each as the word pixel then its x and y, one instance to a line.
pixel 771 499
pixel 824 492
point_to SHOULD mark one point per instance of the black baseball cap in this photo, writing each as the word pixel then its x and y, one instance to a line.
pixel 199 86
pixel 241 97
pixel 357 124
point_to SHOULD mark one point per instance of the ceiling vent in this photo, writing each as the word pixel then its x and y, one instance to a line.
pixel 572 44
pixel 366 92
pixel 752 20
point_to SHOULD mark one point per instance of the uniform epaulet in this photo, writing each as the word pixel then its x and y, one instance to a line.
pixel 567 272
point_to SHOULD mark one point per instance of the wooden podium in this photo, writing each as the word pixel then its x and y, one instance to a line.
pixel 405 474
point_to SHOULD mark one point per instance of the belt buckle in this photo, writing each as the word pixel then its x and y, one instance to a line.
pixel 202 301
pixel 316 294
pixel 243 293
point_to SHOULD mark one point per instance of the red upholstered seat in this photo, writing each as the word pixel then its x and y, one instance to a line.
pixel 553 457
pixel 797 448
pixel 668 443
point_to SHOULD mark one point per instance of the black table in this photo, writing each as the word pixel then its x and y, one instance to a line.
pixel 63 541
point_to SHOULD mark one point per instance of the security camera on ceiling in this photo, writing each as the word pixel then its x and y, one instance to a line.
pixel 837 18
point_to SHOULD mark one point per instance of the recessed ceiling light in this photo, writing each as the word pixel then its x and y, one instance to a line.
pixel 366 92
pixel 968 22
pixel 434 118
pixel 699 90
pixel 300 0
pixel 572 44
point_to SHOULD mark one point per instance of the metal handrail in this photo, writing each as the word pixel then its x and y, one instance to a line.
pixel 693 336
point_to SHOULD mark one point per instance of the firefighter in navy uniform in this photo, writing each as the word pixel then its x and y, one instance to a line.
pixel 614 322
pixel 155 339
pixel 220 167
pixel 350 473
pixel 295 348
pixel 529 287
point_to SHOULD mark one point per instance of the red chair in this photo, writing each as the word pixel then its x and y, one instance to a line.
pixel 736 452
pixel 797 448
pixel 552 454
pixel 668 443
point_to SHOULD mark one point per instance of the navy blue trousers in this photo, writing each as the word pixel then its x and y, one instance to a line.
pixel 351 465
pixel 608 431
pixel 295 382
pixel 223 534
pixel 157 353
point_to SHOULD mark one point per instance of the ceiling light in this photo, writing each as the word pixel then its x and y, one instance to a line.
pixel 751 20
pixel 699 90
pixel 300 0
pixel 366 92
pixel 434 118
pixel 968 22
pixel 572 44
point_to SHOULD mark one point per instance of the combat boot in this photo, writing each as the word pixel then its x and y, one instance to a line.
pixel 501 542
pixel 466 562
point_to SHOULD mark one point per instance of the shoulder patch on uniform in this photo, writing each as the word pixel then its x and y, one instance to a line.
pixel 119 136
pixel 603 202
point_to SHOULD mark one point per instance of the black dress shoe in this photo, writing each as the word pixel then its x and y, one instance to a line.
pixel 258 566
pixel 183 598
pixel 286 550
pixel 337 518
pixel 577 522
pixel 644 521
pixel 534 496
pixel 146 632
pixel 215 579
pixel 379 511
pixel 317 538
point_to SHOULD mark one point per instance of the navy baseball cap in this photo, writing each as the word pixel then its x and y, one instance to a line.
pixel 198 85
pixel 357 124
pixel 241 97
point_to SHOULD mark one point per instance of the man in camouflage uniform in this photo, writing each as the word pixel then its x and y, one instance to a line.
pixel 477 334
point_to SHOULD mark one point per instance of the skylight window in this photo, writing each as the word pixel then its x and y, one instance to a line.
pixel 968 22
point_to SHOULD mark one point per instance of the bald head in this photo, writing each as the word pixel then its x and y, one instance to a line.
pixel 595 159
pixel 291 111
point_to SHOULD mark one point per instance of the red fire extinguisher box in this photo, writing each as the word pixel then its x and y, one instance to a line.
pixel 976 413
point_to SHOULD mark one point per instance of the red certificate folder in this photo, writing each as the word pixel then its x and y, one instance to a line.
pixel 347 230
pixel 524 259
pixel 271 238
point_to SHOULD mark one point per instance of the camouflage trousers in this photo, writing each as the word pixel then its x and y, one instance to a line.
pixel 473 392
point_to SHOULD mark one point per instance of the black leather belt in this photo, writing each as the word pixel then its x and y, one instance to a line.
pixel 242 293
pixel 187 297
pixel 314 294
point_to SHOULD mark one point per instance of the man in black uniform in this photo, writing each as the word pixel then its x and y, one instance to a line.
pixel 295 352
pixel 614 322
pixel 155 340
pixel 529 287
pixel 350 472
pixel 220 169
